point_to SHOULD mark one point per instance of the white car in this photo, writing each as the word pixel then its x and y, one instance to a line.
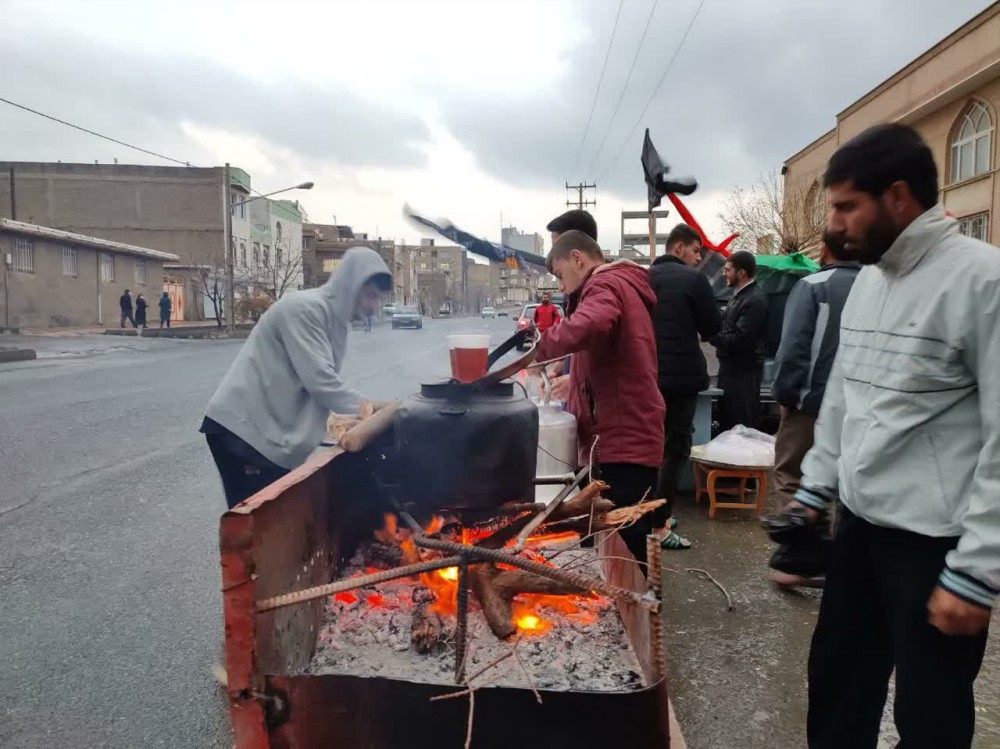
pixel 489 312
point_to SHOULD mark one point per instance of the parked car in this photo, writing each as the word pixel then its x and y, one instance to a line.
pixel 489 312
pixel 443 311
pixel 528 315
pixel 407 317
pixel 388 310
pixel 503 313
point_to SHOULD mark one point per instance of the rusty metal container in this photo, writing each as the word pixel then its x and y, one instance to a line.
pixel 296 534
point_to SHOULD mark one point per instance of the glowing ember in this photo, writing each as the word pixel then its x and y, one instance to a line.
pixel 449 573
pixel 375 599
pixel 348 599
pixel 532 624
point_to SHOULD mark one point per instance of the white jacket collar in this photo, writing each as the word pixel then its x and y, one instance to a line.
pixel 916 241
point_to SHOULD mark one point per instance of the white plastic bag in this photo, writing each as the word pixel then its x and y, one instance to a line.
pixel 741 446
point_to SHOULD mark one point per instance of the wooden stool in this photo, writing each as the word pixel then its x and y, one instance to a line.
pixel 706 473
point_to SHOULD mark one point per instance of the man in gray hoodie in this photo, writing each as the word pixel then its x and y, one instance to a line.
pixel 908 438
pixel 270 411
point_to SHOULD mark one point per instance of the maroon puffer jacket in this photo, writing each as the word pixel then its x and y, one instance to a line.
pixel 613 379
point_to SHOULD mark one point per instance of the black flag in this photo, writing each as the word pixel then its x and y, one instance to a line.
pixel 657 182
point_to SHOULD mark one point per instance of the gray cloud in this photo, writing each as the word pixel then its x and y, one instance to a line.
pixel 144 98
pixel 756 81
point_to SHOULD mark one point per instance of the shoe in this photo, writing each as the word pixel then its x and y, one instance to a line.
pixel 674 542
pixel 787 580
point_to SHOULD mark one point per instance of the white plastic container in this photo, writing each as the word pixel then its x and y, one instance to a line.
pixel 556 441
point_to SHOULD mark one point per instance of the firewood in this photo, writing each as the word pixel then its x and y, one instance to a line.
pixel 382 556
pixel 428 629
pixel 607 521
pixel 588 500
pixel 510 583
pixel 357 438
pixel 497 609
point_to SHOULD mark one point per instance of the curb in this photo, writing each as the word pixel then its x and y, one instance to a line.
pixel 8 355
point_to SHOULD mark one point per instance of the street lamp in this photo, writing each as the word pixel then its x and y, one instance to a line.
pixel 231 249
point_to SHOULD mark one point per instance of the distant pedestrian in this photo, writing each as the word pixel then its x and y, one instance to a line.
pixel 125 303
pixel 546 314
pixel 686 313
pixel 740 344
pixel 140 312
pixel 166 307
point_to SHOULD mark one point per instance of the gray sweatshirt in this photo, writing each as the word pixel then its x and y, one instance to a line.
pixel 285 381
pixel 909 431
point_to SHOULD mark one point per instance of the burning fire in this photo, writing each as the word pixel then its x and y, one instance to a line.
pixel 443 583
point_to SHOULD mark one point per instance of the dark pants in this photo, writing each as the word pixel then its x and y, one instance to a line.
pixel 628 484
pixel 793 441
pixel 164 321
pixel 740 402
pixel 243 470
pixel 874 617
pixel 127 315
pixel 678 431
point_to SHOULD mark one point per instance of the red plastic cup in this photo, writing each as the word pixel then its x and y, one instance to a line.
pixel 469 356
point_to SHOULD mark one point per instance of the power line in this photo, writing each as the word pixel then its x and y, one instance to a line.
pixel 655 91
pixel 91 132
pixel 593 106
pixel 105 137
pixel 621 96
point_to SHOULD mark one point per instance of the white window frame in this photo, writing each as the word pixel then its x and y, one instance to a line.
pixel 107 267
pixel 976 226
pixel 71 265
pixel 972 140
pixel 24 255
pixel 140 271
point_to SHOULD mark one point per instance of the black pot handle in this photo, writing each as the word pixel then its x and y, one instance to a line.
pixel 517 339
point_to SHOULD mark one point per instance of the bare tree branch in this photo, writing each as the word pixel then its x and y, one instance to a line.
pixel 772 220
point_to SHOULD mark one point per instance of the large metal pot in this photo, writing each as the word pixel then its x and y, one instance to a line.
pixel 469 445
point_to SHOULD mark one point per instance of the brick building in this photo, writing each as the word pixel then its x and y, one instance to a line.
pixel 56 278
pixel 951 95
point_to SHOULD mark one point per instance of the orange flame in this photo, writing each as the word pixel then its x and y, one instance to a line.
pixel 449 573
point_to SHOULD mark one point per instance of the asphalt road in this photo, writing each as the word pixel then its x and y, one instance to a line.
pixel 110 612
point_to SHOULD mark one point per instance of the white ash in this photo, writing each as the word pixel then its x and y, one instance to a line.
pixel 360 639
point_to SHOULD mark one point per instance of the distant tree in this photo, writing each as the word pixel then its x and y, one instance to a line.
pixel 774 221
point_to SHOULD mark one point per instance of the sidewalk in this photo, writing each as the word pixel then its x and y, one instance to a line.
pixel 738 678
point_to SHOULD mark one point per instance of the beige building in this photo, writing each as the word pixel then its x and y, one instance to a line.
pixel 951 95
pixel 60 279
pixel 441 277
pixel 483 286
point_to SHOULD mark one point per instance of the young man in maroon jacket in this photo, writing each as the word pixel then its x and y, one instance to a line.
pixel 612 386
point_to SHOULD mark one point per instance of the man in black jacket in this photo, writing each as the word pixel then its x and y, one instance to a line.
pixel 685 310
pixel 740 344
pixel 125 303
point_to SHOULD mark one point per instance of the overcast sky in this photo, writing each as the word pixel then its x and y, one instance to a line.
pixel 466 109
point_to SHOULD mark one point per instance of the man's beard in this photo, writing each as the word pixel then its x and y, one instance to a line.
pixel 877 240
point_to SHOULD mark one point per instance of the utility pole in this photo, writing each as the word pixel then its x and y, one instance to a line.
pixel 580 188
pixel 230 262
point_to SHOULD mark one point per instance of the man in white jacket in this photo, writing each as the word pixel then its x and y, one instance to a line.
pixel 908 438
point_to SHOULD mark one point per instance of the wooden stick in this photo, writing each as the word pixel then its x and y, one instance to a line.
pixel 706 573
pixel 358 437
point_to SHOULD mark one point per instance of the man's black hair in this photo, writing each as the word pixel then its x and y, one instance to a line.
pixel 682 233
pixel 835 246
pixel 882 155
pixel 578 220
pixel 745 261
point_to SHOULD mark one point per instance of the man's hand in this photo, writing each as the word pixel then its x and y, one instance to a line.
pixel 560 388
pixel 955 616
pixel 811 513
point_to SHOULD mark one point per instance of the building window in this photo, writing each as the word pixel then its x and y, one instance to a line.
pixel 107 267
pixel 69 262
pixel 278 256
pixel 977 227
pixel 267 256
pixel 140 271
pixel 237 204
pixel 256 254
pixel 277 232
pixel 243 254
pixel 972 146
pixel 24 256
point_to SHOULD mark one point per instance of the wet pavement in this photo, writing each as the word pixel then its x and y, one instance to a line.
pixel 738 678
